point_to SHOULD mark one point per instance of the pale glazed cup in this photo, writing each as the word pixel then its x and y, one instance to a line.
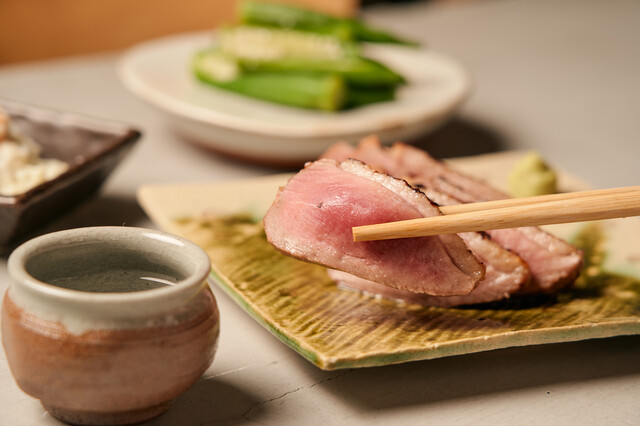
pixel 108 358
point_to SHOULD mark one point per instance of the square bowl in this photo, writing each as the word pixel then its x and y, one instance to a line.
pixel 92 148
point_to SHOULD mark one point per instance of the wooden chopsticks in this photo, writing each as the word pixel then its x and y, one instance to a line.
pixel 512 213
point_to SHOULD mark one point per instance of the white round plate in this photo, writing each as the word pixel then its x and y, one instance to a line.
pixel 159 72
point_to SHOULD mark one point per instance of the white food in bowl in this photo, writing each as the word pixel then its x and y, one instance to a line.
pixel 21 167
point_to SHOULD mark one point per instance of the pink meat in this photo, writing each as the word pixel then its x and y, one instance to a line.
pixel 312 217
pixel 553 263
pixel 483 293
pixel 505 274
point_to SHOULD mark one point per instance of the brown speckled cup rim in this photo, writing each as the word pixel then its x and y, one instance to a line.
pixel 131 237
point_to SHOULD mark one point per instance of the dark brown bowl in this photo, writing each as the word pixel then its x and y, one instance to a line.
pixel 92 148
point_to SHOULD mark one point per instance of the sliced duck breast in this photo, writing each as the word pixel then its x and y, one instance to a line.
pixel 554 263
pixel 505 274
pixel 313 214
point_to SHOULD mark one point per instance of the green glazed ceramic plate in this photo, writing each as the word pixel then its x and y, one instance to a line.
pixel 335 328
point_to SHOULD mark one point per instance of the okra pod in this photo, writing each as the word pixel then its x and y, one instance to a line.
pixel 359 96
pixel 355 71
pixel 262 43
pixel 363 32
pixel 285 16
pixel 307 90
pixel 277 50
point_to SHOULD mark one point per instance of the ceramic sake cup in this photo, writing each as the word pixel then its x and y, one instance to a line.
pixel 107 325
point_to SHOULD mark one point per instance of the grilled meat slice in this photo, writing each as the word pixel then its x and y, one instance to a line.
pixel 505 274
pixel 312 217
pixel 554 264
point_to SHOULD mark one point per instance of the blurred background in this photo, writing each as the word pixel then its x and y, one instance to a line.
pixel 42 29
pixel 559 77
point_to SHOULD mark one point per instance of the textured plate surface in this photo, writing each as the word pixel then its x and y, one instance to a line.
pixel 334 328
pixel 159 72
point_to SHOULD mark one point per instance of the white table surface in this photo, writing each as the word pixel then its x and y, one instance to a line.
pixel 561 77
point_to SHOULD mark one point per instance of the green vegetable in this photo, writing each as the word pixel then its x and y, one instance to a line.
pixel 359 96
pixel 269 44
pixel 285 16
pixel 356 71
pixel 298 57
pixel 273 50
pixel 325 91
pixel 307 90
pixel 366 33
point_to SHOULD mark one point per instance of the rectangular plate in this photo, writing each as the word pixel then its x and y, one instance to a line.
pixel 335 328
